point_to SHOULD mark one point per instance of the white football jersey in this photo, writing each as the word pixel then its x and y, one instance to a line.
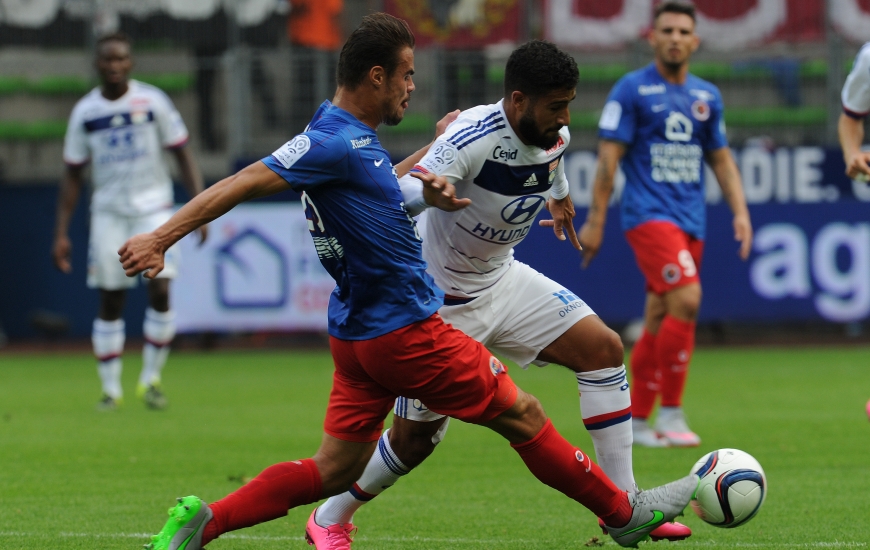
pixel 508 184
pixel 124 140
pixel 856 90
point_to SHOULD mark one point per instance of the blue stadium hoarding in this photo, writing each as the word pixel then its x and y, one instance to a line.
pixel 810 259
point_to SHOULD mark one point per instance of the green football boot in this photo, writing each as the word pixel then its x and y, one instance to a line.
pixel 183 530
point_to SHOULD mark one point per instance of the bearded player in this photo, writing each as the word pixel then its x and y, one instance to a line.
pixel 506 158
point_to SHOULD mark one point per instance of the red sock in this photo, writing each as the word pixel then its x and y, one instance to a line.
pixel 268 496
pixel 557 463
pixel 645 384
pixel 674 346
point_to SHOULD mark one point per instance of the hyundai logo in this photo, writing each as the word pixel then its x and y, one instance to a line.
pixel 522 210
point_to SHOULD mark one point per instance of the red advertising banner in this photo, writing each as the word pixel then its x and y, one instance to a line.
pixel 459 24
pixel 722 25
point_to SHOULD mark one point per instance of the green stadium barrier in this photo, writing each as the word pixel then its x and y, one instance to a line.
pixel 76 85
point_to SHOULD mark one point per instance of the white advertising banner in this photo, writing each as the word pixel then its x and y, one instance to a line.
pixel 258 270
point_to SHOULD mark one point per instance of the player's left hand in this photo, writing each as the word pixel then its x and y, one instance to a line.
pixel 440 193
pixel 743 234
pixel 203 233
pixel 441 125
pixel 142 253
pixel 563 214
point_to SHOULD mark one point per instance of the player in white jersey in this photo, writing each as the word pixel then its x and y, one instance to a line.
pixel 121 128
pixel 507 159
pixel 856 106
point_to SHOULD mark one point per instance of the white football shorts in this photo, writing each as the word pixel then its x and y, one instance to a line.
pixel 517 317
pixel 109 232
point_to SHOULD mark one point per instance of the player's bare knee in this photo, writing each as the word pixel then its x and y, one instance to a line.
pixel 340 464
pixel 111 304
pixel 158 294
pixel 411 448
pixel 522 421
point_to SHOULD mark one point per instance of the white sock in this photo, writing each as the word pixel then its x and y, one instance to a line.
pixel 108 340
pixel 159 330
pixel 605 404
pixel 382 471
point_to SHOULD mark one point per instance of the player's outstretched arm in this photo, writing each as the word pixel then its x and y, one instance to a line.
pixel 192 179
pixel 68 197
pixel 592 232
pixel 144 253
pixel 851 133
pixel 728 176
pixel 440 193
pixel 405 166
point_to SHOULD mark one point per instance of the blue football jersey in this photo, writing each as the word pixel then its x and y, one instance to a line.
pixel 364 236
pixel 667 129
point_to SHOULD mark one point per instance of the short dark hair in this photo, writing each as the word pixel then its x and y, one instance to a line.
pixel 113 37
pixel 377 42
pixel 675 6
pixel 539 67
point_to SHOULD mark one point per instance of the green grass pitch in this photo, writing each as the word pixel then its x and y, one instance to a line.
pixel 74 478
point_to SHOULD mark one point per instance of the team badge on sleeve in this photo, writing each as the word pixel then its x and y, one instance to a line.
pixel 442 156
pixel 610 116
pixel 700 110
pixel 496 366
pixel 292 151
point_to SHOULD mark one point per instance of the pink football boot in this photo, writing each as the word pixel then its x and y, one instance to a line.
pixel 334 537
pixel 666 531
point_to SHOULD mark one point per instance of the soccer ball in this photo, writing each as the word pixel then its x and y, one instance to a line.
pixel 732 488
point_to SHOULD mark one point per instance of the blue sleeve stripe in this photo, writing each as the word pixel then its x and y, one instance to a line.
pixel 462 134
pixel 478 136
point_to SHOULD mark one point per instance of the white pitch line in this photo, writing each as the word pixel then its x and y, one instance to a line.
pixel 448 540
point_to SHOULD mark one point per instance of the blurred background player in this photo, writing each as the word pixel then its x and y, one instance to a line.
pixel 386 336
pixel 507 159
pixel 662 123
pixel 850 127
pixel 121 129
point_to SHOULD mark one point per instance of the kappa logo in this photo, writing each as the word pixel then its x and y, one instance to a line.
pixel 678 127
pixel 531 182
pixel 521 210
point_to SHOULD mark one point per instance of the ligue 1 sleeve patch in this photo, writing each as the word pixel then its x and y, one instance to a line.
pixel 292 151
pixel 442 156
pixel 610 116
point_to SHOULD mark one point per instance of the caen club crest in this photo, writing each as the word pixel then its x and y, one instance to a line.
pixel 700 110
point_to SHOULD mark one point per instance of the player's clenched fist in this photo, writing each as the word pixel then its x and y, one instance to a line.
pixel 142 254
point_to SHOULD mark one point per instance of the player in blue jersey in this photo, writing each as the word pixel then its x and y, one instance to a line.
pixel 663 123
pixel 507 158
pixel 386 337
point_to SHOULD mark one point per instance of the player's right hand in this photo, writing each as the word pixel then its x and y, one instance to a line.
pixel 441 125
pixel 142 254
pixel 857 167
pixel 590 237
pixel 61 252
pixel 440 193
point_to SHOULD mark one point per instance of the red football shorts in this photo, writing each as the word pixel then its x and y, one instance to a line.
pixel 450 372
pixel 667 256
